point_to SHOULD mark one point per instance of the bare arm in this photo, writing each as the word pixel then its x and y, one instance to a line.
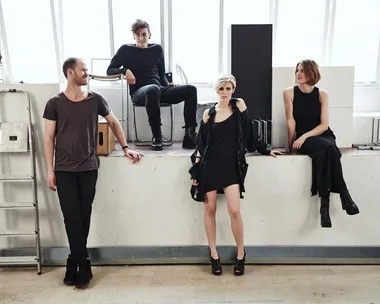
pixel 324 125
pixel 291 123
pixel 198 158
pixel 50 126
pixel 115 126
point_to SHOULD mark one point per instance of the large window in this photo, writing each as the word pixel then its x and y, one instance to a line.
pixel 2 74
pixel 125 12
pixel 195 38
pixel 356 37
pixel 345 33
pixel 30 40
pixel 242 12
pixel 300 31
pixel 85 29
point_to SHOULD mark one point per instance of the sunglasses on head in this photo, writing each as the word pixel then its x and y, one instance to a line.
pixel 222 89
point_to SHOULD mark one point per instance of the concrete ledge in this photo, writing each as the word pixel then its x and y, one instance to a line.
pixel 148 205
pixel 176 150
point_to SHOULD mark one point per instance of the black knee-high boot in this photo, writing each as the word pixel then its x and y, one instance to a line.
pixel 325 212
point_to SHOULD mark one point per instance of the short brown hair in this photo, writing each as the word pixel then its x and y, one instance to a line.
pixel 311 70
pixel 138 25
pixel 69 63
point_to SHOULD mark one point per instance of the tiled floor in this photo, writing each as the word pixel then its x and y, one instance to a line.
pixel 194 284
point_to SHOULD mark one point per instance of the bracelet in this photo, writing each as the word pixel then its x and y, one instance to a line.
pixel 125 147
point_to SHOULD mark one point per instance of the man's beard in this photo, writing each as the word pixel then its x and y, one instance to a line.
pixel 80 81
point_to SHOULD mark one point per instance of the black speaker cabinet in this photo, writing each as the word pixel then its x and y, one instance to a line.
pixel 250 61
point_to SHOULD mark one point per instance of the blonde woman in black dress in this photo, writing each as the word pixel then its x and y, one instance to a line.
pixel 220 165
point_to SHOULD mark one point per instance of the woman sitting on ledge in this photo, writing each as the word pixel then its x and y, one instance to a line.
pixel 307 116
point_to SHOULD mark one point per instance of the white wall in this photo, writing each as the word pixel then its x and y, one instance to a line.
pixel 147 209
pixel 337 81
pixel 149 203
pixel 367 99
pixel 339 84
pixel 366 106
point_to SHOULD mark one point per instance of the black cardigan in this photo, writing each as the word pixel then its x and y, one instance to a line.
pixel 247 140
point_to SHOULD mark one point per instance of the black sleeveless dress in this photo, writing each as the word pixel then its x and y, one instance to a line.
pixel 221 169
pixel 327 168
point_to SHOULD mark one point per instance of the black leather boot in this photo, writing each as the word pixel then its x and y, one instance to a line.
pixel 84 275
pixel 348 204
pixel 190 139
pixel 157 138
pixel 325 213
pixel 71 272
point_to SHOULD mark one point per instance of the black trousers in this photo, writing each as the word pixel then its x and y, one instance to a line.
pixel 327 168
pixel 152 95
pixel 76 192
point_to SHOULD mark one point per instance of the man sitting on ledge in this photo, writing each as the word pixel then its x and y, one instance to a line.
pixel 144 68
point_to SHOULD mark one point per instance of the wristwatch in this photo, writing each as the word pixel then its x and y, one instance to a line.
pixel 125 147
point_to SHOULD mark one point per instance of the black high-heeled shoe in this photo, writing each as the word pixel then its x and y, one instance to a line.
pixel 239 266
pixel 216 267
pixel 348 204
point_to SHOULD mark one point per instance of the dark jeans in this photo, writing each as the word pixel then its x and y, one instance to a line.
pixel 152 95
pixel 76 192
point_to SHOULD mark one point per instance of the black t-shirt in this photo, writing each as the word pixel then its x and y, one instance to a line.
pixel 146 64
pixel 76 130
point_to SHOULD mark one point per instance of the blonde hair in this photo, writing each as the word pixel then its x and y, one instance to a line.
pixel 223 79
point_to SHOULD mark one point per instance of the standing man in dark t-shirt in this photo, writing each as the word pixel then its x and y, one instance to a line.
pixel 71 128
pixel 144 68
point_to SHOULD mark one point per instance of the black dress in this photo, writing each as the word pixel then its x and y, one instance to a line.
pixel 222 147
pixel 221 169
pixel 327 168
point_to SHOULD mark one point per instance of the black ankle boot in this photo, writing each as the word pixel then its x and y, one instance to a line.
pixel 348 204
pixel 84 275
pixel 71 272
pixel 325 213
pixel 157 138
pixel 190 139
